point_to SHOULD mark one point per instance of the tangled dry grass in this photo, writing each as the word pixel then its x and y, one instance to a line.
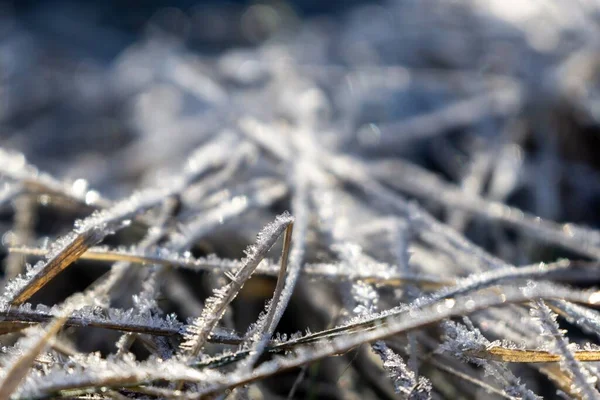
pixel 399 200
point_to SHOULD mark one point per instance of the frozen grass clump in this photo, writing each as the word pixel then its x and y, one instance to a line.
pixel 395 200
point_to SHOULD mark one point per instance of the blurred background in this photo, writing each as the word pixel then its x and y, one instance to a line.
pixel 89 86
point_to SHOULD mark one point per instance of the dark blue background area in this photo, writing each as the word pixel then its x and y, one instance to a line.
pixel 100 30
pixel 140 10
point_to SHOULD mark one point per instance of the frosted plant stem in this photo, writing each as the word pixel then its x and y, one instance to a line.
pixel 462 340
pixel 15 373
pixel 351 169
pixel 96 227
pixel 266 327
pixel 393 326
pixel 474 381
pixel 25 218
pixel 585 318
pixel 14 167
pixel 458 114
pixel 406 383
pixel 206 222
pixel 472 184
pixel 215 306
pixel 584 382
pixel 301 216
pixel 145 302
pixel 34 343
pixel 423 184
pixel 329 271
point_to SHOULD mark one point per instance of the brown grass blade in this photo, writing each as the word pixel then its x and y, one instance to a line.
pixel 318 271
pixel 19 369
pixel 287 239
pixel 14 320
pixel 57 264
pixel 504 354
pixel 96 254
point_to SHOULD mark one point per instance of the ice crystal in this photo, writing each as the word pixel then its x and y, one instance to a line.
pixel 405 382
